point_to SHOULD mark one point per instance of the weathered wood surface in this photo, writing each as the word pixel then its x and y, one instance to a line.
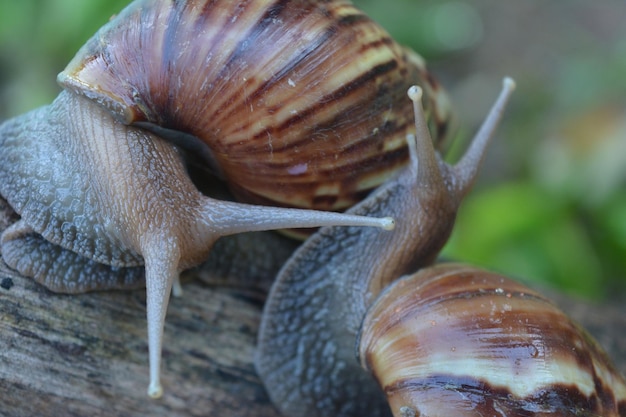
pixel 86 355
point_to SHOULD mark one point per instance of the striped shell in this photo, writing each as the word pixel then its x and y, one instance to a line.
pixel 465 342
pixel 302 103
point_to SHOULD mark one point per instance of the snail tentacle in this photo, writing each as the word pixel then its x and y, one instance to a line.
pixel 227 218
pixel 162 258
pixel 424 160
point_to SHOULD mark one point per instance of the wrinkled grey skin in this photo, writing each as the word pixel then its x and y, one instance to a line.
pixel 63 239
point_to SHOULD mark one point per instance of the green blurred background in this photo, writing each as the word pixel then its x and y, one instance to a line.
pixel 550 204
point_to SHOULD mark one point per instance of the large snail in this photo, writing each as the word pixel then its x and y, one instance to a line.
pixel 101 193
pixel 449 340
pixel 296 102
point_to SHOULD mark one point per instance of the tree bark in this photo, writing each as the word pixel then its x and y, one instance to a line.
pixel 87 355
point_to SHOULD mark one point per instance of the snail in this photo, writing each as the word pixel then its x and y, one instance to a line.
pixel 295 103
pixel 447 340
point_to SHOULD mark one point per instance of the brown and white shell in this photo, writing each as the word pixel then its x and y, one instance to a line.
pixel 301 103
pixel 466 342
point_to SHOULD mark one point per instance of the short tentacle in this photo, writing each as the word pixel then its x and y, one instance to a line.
pixel 423 158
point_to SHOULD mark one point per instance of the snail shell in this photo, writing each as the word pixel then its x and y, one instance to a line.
pixel 453 340
pixel 300 103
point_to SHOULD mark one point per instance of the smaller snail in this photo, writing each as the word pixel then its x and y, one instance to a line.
pixel 449 340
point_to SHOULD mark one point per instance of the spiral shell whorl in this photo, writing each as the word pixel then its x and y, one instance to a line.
pixel 463 341
pixel 302 103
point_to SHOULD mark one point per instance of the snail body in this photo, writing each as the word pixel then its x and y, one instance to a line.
pixel 423 351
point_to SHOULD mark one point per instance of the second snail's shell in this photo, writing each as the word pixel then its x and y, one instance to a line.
pixel 302 103
pixel 465 342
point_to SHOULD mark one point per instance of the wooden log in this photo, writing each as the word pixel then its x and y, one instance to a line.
pixel 87 355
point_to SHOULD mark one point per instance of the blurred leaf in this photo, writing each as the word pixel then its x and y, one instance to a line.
pixel 517 229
